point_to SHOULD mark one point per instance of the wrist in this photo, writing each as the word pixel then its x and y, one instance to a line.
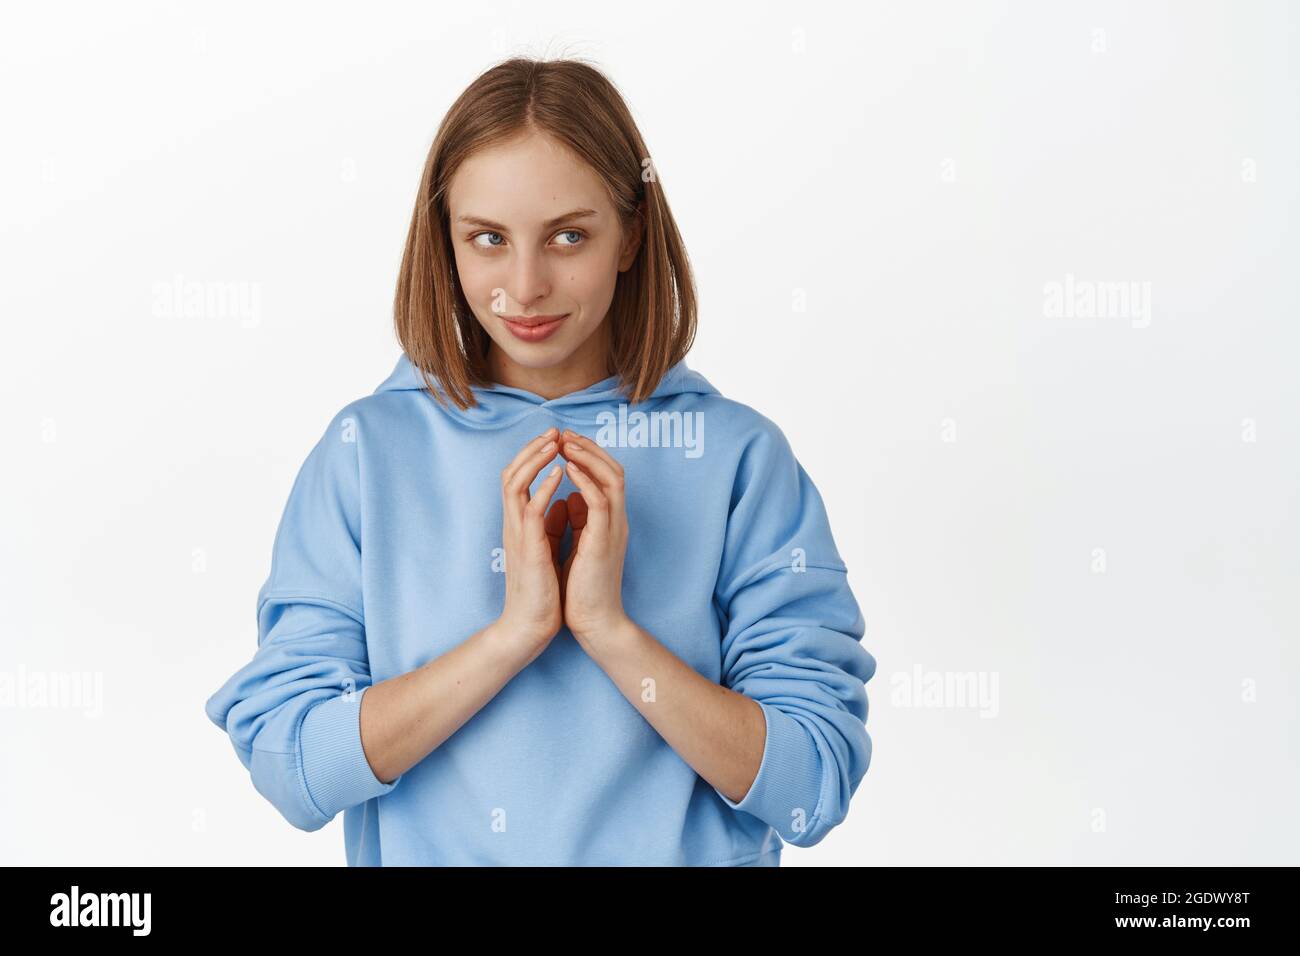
pixel 613 629
pixel 517 645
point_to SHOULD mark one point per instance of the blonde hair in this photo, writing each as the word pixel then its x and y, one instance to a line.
pixel 653 312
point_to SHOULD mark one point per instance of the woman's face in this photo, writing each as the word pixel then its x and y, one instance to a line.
pixel 535 235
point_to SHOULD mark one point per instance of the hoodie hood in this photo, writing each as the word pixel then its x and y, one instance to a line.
pixel 502 405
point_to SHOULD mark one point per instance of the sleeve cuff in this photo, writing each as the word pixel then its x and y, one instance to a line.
pixel 334 765
pixel 786 792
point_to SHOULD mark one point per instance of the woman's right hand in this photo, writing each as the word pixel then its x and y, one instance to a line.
pixel 534 612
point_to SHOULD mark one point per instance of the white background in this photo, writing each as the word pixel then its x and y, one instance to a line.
pixel 913 174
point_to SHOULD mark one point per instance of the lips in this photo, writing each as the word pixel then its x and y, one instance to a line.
pixel 530 321
pixel 533 328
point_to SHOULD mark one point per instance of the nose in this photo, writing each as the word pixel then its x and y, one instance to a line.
pixel 529 279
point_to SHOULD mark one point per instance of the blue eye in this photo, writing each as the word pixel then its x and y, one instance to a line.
pixel 576 233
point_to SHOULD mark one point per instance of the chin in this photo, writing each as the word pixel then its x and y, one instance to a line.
pixel 538 355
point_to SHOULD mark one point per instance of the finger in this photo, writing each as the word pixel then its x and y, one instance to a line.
pixel 556 519
pixel 604 503
pixel 577 520
pixel 528 451
pixel 577 507
pixel 596 449
pixel 595 500
pixel 516 486
pixel 597 464
pixel 536 507
pixel 551 434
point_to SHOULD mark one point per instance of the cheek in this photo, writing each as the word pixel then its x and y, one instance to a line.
pixel 586 284
pixel 476 280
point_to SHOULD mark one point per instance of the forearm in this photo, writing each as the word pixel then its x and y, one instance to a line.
pixel 718 732
pixel 405 718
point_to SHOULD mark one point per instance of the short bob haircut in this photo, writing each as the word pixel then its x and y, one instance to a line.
pixel 653 311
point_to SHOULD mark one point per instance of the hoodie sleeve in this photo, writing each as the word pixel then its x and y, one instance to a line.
pixel 293 713
pixel 792 642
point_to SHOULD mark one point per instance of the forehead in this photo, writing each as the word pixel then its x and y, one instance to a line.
pixel 527 180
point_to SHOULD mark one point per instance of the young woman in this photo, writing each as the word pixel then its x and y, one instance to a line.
pixel 660 666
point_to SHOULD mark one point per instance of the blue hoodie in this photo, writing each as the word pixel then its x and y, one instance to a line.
pixel 388 554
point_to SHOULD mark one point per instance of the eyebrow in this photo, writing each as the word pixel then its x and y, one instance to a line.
pixel 489 224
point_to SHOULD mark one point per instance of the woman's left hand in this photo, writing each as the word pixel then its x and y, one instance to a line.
pixel 591 579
